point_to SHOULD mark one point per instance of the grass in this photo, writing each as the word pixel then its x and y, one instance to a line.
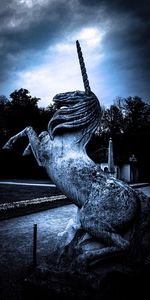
pixel 11 193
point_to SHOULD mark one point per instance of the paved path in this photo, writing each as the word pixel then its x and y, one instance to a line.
pixel 16 236
pixel 16 245
pixel 45 183
pixel 145 190
pixel 27 183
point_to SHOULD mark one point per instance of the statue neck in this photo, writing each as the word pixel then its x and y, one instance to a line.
pixel 67 144
pixel 70 167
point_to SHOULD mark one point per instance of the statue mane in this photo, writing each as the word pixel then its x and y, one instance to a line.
pixel 76 111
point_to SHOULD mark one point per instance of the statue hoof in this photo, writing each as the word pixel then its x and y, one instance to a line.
pixel 7 147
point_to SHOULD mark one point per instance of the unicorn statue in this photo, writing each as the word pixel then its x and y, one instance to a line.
pixel 111 216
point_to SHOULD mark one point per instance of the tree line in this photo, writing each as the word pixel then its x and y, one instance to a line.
pixel 16 113
pixel 126 121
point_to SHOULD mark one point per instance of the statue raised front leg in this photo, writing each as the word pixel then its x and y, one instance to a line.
pixel 35 142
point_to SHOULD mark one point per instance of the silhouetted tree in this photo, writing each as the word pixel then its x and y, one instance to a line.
pixel 23 110
pixel 127 121
pixel 3 100
pixel 15 114
pixel 137 114
pixel 112 121
pixel 4 107
pixel 23 98
pixel 45 115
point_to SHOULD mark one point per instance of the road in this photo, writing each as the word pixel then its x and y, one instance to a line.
pixel 16 238
pixel 18 190
pixel 28 184
pixel 145 190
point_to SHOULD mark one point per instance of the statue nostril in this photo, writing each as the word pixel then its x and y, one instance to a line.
pixel 45 155
pixel 94 173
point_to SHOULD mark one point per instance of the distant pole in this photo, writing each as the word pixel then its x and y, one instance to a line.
pixel 111 168
pixel 35 245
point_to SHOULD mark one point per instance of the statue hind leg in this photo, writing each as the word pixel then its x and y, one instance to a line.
pixel 113 244
pixel 111 241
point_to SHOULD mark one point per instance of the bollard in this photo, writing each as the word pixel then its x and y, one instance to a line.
pixel 35 245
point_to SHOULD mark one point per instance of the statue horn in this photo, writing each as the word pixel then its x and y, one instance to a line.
pixel 83 69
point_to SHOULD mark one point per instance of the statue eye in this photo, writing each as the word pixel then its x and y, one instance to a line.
pixel 64 106
pixel 76 93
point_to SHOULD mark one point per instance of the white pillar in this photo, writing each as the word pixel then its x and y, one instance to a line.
pixel 111 168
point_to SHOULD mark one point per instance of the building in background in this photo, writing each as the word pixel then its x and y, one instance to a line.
pixel 126 171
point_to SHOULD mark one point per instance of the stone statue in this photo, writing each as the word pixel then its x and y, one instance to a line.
pixel 111 217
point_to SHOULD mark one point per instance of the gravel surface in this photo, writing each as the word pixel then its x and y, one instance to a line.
pixel 16 237
pixel 145 190
pixel 11 193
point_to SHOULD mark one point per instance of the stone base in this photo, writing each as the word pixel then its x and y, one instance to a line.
pixel 107 282
pixel 115 276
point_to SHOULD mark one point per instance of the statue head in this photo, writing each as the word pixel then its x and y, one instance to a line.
pixel 78 111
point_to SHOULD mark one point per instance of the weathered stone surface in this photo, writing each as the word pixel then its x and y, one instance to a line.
pixel 86 252
pixel 105 283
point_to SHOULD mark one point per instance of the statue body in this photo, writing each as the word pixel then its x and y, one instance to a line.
pixel 112 218
pixel 108 209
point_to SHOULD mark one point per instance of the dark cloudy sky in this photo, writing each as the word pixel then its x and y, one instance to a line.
pixel 37 47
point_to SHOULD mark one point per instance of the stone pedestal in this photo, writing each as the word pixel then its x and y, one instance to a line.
pixel 74 270
pixel 105 283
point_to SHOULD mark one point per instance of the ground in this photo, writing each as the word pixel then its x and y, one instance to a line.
pixel 16 236
pixel 16 239
pixel 145 190
pixel 19 192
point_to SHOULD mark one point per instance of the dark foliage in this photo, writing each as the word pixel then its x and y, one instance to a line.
pixel 15 114
pixel 127 121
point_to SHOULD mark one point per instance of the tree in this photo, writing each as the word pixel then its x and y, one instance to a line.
pixel 3 100
pixel 112 122
pixel 23 98
pixel 127 115
pixel 23 110
pixel 137 114
pixel 4 105
pixel 137 132
pixel 45 114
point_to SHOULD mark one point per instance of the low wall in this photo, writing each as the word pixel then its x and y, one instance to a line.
pixel 20 208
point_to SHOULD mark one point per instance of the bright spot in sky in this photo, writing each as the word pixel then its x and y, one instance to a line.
pixel 56 76
pixel 59 71
pixel 14 22
pixel 31 3
pixel 28 3
pixel 92 36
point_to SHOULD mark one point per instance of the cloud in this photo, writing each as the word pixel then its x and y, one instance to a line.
pixel 38 37
pixel 60 71
pixel 28 26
